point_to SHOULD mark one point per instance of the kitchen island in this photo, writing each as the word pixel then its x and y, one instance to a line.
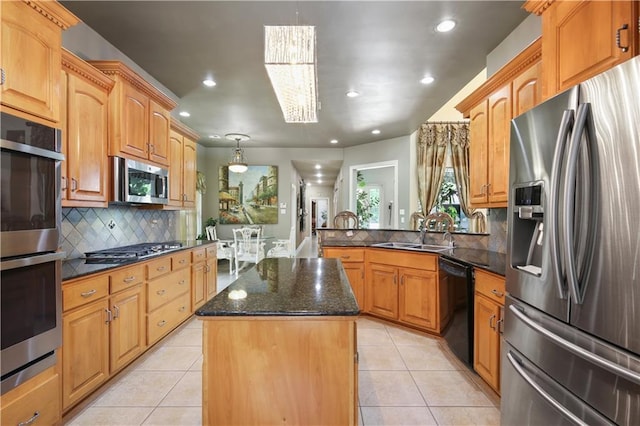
pixel 279 346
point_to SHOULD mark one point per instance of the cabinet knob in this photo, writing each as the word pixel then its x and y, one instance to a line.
pixel 624 27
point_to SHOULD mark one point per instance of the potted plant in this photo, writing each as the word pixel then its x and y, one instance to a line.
pixel 209 222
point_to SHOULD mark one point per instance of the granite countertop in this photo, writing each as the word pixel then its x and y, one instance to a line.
pixel 490 260
pixel 286 287
pixel 76 268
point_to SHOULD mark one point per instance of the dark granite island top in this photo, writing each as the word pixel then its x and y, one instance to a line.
pixel 283 286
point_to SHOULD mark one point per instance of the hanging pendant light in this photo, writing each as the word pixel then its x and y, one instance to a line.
pixel 238 164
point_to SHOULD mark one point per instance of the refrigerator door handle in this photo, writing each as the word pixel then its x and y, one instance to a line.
pixel 566 125
pixel 517 366
pixel 575 349
pixel 568 201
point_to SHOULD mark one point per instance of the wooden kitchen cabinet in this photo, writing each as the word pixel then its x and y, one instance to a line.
pixel 138 116
pixel 353 263
pixel 404 287
pixel 182 172
pixel 512 90
pixel 40 394
pixel 85 171
pixel 203 275
pixel 30 56
pixel 488 319
pixel 127 330
pixel 583 38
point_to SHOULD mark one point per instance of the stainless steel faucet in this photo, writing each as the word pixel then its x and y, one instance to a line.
pixel 449 236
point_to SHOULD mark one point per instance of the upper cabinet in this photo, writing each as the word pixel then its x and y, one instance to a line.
pixel 31 44
pixel 514 89
pixel 85 171
pixel 138 115
pixel 182 172
pixel 583 38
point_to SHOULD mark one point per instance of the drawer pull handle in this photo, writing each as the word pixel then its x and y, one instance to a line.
pixel 109 316
pixel 116 311
pixel 161 268
pixel 88 293
pixel 345 257
pixel 497 293
pixel 129 279
pixel 181 282
pixel 182 309
pixel 162 323
pixel 491 319
pixel 182 261
pixel 31 420
pixel 161 292
pixel 624 27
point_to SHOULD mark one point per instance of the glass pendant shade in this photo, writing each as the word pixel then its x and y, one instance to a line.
pixel 238 164
pixel 290 60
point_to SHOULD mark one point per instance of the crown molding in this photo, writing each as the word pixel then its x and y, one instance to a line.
pixel 54 12
pixel 182 128
pixel 72 63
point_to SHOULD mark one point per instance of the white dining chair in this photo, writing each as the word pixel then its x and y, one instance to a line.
pixel 284 248
pixel 247 245
pixel 223 249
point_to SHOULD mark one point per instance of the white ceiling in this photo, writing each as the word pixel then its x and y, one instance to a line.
pixel 379 48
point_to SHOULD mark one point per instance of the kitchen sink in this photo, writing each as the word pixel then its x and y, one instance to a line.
pixel 413 246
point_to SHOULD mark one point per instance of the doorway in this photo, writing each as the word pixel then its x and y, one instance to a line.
pixel 375 186
pixel 319 213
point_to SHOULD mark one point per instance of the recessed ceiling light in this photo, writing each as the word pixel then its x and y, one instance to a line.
pixel 352 94
pixel 334 141
pixel 318 166
pixel 446 26
pixel 427 79
pixel 209 82
pixel 308 183
pixel 318 174
pixel 319 181
pixel 214 136
pixel 184 114
pixel 375 131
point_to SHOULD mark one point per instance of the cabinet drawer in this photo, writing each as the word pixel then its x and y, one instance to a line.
pixel 84 291
pixel 346 255
pixel 165 319
pixel 180 260
pixel 126 278
pixel 40 394
pixel 198 255
pixel 165 289
pixel 158 267
pixel 403 258
pixel 212 251
pixel 490 285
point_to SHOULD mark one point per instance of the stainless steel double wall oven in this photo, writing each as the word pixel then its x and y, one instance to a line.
pixel 30 218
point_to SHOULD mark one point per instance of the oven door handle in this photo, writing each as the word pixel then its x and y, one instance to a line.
pixel 32 150
pixel 6 265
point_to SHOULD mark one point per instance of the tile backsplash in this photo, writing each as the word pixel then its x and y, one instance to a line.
pixel 90 229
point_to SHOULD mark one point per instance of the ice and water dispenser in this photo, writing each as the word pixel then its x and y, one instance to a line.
pixel 528 227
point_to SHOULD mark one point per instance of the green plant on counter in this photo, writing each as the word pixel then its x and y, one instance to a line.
pixel 209 222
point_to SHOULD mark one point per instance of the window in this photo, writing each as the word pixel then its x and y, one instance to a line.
pixel 448 201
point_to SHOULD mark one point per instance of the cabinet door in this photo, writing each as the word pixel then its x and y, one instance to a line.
pixel 418 298
pixel 355 274
pixel 211 270
pixel 134 134
pixel 579 40
pixel 85 358
pixel 527 89
pixel 64 78
pixel 499 134
pixel 486 341
pixel 189 173
pixel 176 144
pixel 478 155
pixel 30 57
pixel 198 285
pixel 128 332
pixel 158 133
pixel 86 159
pixel 382 290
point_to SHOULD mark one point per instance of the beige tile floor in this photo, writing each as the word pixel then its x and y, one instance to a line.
pixel 405 378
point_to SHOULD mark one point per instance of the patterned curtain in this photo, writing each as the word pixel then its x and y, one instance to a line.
pixel 460 159
pixel 432 153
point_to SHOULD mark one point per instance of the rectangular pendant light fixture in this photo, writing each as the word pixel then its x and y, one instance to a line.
pixel 290 60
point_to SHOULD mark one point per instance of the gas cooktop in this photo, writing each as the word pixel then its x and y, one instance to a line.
pixel 132 252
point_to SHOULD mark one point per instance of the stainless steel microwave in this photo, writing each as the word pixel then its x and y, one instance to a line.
pixel 139 183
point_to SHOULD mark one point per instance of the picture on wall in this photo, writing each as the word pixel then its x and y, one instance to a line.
pixel 250 197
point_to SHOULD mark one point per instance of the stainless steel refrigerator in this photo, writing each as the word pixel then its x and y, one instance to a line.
pixel 571 348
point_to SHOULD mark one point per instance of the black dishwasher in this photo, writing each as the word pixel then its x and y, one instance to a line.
pixel 459 333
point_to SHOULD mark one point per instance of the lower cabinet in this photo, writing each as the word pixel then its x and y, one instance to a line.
pixel 488 319
pixel 353 263
pixel 405 287
pixel 203 275
pixel 35 402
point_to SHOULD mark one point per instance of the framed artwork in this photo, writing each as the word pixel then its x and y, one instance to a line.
pixel 250 197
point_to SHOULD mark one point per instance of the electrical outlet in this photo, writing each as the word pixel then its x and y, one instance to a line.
pixel 111 224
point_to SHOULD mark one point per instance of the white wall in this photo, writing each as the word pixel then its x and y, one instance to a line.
pixel 521 37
